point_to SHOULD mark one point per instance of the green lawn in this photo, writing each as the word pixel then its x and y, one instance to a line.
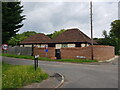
pixel 48 59
pixel 17 76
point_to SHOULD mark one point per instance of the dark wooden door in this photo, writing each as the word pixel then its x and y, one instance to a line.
pixel 57 53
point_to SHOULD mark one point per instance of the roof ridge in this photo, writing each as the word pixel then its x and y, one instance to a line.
pixel 39 37
pixel 85 36
pixel 82 35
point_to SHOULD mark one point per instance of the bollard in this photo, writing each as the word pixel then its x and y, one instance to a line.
pixel 36 61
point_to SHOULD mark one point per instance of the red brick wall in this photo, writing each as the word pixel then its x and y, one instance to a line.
pixel 100 52
pixel 71 53
pixel 41 52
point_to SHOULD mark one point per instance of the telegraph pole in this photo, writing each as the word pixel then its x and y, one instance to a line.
pixel 119 10
pixel 91 30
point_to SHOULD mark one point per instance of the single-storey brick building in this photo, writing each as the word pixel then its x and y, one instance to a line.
pixel 70 44
pixel 69 38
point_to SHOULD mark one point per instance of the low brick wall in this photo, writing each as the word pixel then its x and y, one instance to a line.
pixel 41 52
pixel 72 53
pixel 100 52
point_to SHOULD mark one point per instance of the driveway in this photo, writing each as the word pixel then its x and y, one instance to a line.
pixel 78 75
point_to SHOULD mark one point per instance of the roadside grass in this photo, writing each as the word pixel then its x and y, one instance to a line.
pixel 17 76
pixel 68 60
pixel 48 59
pixel 18 56
pixel 0 74
pixel 0 54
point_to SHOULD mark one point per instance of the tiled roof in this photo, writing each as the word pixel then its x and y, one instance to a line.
pixel 72 35
pixel 38 38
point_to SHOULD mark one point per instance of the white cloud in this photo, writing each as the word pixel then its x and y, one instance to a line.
pixel 69 0
pixel 104 14
pixel 46 17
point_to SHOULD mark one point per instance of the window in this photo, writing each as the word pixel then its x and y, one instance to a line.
pixel 83 44
pixel 44 45
pixel 64 45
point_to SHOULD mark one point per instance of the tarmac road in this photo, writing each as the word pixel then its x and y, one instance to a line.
pixel 78 75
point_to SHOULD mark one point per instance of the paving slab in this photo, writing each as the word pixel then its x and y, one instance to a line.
pixel 51 82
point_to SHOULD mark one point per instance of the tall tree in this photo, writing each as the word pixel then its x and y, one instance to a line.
pixel 11 19
pixel 105 34
pixel 115 33
pixel 115 28
pixel 113 39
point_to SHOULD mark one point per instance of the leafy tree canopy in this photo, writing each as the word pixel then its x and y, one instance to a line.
pixel 115 28
pixel 20 37
pixel 113 38
pixel 56 33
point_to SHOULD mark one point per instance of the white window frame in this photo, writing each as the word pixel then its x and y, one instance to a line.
pixel 64 45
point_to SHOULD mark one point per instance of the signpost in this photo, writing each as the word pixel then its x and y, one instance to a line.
pixel 46 49
pixel 4 47
pixel 36 61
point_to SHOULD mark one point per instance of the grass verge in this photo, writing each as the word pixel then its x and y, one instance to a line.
pixel 0 75
pixel 17 76
pixel 48 59
pixel 18 56
pixel 68 60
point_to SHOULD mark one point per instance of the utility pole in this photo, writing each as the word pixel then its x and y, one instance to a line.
pixel 91 30
pixel 119 10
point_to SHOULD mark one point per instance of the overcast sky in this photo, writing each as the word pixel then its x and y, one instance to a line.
pixel 47 17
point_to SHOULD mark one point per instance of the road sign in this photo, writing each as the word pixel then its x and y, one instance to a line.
pixel 36 56
pixel 5 47
pixel 46 50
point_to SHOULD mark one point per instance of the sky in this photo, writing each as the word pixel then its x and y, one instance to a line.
pixel 47 17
